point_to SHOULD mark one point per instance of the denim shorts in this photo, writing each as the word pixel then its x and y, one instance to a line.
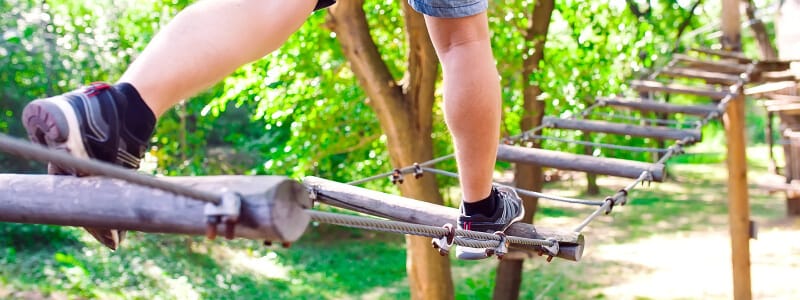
pixel 449 8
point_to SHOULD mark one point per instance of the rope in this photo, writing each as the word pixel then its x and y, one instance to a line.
pixel 474 239
pixel 596 144
pixel 678 124
pixel 95 167
pixel 523 191
pixel 405 170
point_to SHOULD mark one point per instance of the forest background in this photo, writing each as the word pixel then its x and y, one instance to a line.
pixel 302 111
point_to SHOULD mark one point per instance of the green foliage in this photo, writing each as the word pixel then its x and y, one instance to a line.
pixel 298 112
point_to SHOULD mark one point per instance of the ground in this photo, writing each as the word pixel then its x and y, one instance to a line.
pixel 643 253
pixel 669 242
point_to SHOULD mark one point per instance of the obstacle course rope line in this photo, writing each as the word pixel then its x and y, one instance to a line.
pixel 422 230
pixel 40 153
pixel 620 197
pixel 459 237
pixel 37 152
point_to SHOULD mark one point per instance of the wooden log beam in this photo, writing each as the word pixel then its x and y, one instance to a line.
pixel 674 88
pixel 660 107
pixel 624 129
pixel 273 207
pixel 576 162
pixel 710 77
pixel 409 210
pixel 712 66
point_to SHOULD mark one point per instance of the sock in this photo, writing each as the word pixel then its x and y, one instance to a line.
pixel 485 207
pixel 139 119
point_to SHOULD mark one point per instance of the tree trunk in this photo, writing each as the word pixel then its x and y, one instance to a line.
pixel 768 51
pixel 509 272
pixel 405 114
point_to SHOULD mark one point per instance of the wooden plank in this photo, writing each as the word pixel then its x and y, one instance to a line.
pixel 711 66
pixel 420 212
pixel 660 107
pixel 784 107
pixel 576 162
pixel 624 129
pixel 674 88
pixel 774 76
pixel 770 87
pixel 782 98
pixel 273 207
pixel 710 77
pixel 724 54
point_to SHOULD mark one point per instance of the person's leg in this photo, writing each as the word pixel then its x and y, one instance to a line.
pixel 209 40
pixel 460 33
pixel 202 45
pixel 471 98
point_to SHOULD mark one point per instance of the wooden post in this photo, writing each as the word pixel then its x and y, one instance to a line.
pixel 738 199
pixel 273 207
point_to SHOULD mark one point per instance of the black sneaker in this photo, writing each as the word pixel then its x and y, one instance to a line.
pixel 87 123
pixel 509 210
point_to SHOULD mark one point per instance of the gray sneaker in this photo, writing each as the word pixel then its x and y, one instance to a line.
pixel 509 210
pixel 87 123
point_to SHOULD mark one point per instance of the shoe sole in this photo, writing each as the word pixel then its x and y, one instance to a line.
pixel 54 124
pixel 469 253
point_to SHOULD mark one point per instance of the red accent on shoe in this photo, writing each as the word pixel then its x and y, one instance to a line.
pixel 95 88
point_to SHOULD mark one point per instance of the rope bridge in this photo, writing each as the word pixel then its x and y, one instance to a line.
pixel 274 208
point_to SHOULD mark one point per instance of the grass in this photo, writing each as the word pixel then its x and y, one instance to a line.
pixel 338 263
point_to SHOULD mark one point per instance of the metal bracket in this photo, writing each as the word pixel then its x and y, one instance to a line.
pixel 312 194
pixel 227 211
pixel 444 243
pixel 502 246
pixel 551 250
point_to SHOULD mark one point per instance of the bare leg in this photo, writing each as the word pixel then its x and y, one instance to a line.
pixel 471 97
pixel 209 40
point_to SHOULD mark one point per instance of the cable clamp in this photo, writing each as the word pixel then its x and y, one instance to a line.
pixel 502 246
pixel 397 176
pixel 418 171
pixel 610 207
pixel 227 211
pixel 444 243
pixel 648 179
pixel 551 250
pixel 623 199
